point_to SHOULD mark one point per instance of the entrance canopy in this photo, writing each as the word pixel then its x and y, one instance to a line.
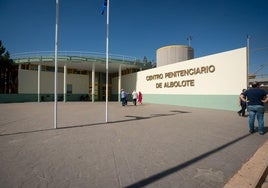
pixel 79 60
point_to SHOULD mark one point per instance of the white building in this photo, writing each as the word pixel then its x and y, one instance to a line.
pixel 213 81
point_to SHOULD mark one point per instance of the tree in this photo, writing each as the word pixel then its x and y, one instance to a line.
pixel 145 60
pixel 8 72
pixel 147 64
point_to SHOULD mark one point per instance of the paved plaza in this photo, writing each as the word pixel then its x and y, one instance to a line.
pixel 148 145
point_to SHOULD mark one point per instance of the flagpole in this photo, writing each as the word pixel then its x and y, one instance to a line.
pixel 107 59
pixel 248 37
pixel 56 65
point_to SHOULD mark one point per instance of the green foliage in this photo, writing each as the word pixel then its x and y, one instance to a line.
pixel 5 61
pixel 8 72
pixel 147 64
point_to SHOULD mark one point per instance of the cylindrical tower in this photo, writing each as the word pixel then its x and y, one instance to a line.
pixel 172 54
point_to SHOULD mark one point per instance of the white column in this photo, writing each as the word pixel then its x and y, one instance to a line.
pixel 65 83
pixel 119 82
pixel 38 82
pixel 93 83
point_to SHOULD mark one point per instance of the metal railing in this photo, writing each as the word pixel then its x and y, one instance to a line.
pixel 81 54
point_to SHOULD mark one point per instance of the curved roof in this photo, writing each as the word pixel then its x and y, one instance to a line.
pixel 174 46
pixel 78 60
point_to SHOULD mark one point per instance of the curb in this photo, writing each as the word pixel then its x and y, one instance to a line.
pixel 253 173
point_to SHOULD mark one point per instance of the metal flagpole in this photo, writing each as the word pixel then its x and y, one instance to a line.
pixel 248 37
pixel 107 59
pixel 56 65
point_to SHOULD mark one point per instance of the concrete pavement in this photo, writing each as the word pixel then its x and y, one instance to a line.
pixel 147 145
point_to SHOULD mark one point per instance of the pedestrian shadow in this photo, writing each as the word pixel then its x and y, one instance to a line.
pixel 133 118
pixel 165 173
pixel 265 130
pixel 179 111
pixel 149 117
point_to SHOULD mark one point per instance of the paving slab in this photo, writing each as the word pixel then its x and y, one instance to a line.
pixel 148 145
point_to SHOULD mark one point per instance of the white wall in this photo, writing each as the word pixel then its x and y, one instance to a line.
pixel 228 76
pixel 128 83
pixel 28 83
pixel 79 83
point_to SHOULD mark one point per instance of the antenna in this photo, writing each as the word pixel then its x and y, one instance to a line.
pixel 189 38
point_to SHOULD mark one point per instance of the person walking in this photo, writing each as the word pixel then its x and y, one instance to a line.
pixel 123 97
pixel 243 105
pixel 134 97
pixel 256 98
pixel 140 97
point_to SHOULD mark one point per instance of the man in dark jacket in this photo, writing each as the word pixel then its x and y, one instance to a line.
pixel 243 105
pixel 256 98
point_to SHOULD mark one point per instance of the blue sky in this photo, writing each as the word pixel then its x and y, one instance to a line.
pixel 138 27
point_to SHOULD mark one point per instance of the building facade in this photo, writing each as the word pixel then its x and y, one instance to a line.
pixel 213 81
pixel 81 76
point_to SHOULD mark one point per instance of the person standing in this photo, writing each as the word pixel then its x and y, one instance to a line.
pixel 243 105
pixel 256 98
pixel 134 97
pixel 123 97
pixel 140 98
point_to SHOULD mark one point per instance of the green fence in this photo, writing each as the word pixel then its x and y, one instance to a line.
pixel 15 98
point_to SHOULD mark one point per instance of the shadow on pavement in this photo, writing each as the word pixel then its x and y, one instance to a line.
pixel 134 118
pixel 174 169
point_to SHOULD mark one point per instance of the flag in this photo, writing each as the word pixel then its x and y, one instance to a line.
pixel 103 7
